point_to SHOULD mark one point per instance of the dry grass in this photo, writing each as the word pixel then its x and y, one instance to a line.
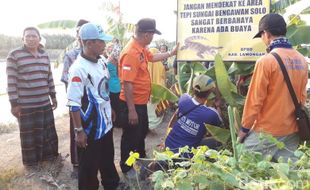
pixel 6 177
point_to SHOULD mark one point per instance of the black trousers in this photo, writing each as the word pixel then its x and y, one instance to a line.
pixel 114 97
pixel 98 156
pixel 133 135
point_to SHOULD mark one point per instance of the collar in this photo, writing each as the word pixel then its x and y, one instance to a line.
pixel 280 42
pixel 89 58
pixel 24 47
pixel 137 45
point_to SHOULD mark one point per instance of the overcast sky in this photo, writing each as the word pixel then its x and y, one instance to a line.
pixel 15 15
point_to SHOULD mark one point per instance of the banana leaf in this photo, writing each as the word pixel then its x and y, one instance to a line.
pixel 184 73
pixel 241 68
pixel 211 73
pixel 239 99
pixel 196 69
pixel 220 134
pixel 162 93
pixel 61 24
pixel 299 36
pixel 233 132
pixel 224 84
pixel 280 5
pixel 304 51
pixel 237 119
pixel 187 73
pixel 189 83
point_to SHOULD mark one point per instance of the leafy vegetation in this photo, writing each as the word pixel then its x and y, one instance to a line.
pixel 53 41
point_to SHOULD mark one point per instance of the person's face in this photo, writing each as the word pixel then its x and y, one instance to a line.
pixel 98 47
pixel 109 49
pixel 31 39
pixel 163 49
pixel 265 37
pixel 149 37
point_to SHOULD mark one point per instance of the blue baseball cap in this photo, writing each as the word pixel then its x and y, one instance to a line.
pixel 90 31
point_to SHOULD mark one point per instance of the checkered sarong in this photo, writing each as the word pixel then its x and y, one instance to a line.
pixel 38 135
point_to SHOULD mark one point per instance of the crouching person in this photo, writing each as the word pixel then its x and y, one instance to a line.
pixel 90 108
pixel 192 115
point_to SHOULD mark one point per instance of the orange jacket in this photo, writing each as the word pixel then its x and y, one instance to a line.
pixel 268 106
pixel 133 68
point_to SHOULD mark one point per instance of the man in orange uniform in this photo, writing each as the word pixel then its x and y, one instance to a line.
pixel 269 107
pixel 136 88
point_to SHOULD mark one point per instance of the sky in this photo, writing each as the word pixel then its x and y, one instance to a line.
pixel 15 15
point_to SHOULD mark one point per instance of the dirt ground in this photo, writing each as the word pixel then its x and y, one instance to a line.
pixel 55 175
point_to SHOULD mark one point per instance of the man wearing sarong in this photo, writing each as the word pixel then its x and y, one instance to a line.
pixel 32 95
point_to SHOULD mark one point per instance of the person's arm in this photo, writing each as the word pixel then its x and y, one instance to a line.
pixel 76 89
pixel 255 97
pixel 132 114
pixel 166 55
pixel 11 71
pixel 80 135
pixel 172 120
pixel 52 91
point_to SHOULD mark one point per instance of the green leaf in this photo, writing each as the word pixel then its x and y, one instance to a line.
pixel 263 165
pixel 224 84
pixel 181 173
pixel 300 35
pixel 184 75
pixel 237 119
pixel 211 73
pixel 220 134
pixel 184 185
pixel 298 153
pixel 240 68
pixel 183 164
pixel 280 5
pixel 163 155
pixel 233 132
pixel 201 180
pixel 162 93
pixel 212 154
pixel 282 169
pixel 158 175
pixel 168 184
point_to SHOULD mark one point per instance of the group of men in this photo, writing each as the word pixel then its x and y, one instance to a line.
pixel 268 107
pixel 86 77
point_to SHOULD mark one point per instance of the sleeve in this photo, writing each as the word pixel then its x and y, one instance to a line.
pixel 129 67
pixel 76 84
pixel 257 93
pixel 52 91
pixel 215 118
pixel 11 71
pixel 149 55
